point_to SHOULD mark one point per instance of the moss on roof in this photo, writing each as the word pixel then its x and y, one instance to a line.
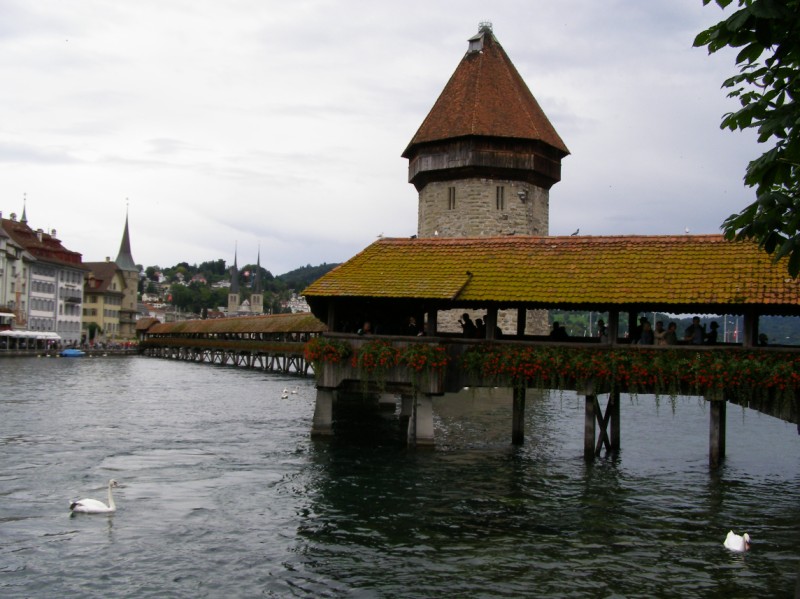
pixel 663 270
pixel 301 322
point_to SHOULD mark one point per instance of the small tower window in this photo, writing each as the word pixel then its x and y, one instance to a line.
pixel 500 198
pixel 451 198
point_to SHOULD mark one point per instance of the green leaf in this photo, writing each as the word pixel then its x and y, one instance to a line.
pixel 750 53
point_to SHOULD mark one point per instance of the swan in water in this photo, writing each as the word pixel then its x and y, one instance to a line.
pixel 93 506
pixel 736 542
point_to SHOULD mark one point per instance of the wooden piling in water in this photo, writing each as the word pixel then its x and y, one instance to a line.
pixel 518 416
pixel 716 451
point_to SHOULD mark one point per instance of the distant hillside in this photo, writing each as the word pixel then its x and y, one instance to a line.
pixel 300 278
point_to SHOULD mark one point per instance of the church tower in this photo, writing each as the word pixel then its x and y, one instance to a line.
pixel 486 156
pixel 257 297
pixel 130 274
pixel 233 293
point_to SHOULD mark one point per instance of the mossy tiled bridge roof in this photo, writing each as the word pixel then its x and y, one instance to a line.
pixel 687 273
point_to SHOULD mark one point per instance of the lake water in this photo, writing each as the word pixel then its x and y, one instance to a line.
pixel 224 494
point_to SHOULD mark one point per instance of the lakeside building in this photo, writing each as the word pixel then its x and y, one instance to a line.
pixel 103 293
pixel 111 292
pixel 41 280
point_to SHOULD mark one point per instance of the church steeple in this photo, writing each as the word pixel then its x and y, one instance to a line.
pixel 234 298
pixel 124 257
pixel 257 298
pixel 130 273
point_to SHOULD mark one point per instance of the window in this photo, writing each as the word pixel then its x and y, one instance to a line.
pixel 451 198
pixel 500 198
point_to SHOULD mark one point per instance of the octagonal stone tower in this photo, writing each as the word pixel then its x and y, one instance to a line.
pixel 485 157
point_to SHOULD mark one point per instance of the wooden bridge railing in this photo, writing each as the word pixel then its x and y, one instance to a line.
pixel 766 379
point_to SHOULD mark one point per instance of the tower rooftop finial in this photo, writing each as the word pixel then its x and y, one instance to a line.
pixel 484 26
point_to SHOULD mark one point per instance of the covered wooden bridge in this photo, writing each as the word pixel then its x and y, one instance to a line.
pixel 274 343
pixel 394 280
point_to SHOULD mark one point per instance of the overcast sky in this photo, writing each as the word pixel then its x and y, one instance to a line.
pixel 280 124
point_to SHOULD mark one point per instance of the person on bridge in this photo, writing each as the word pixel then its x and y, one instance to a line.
pixel 695 332
pixel 558 333
pixel 467 326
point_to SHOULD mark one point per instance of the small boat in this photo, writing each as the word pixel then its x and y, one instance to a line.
pixel 72 353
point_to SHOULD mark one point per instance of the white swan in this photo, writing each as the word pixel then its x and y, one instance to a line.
pixel 736 542
pixel 93 506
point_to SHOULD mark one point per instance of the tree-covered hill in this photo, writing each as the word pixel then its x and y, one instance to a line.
pixel 199 288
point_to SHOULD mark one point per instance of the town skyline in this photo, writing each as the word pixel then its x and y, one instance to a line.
pixel 281 128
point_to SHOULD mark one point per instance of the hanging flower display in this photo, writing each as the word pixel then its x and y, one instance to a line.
pixel 321 350
pixel 740 374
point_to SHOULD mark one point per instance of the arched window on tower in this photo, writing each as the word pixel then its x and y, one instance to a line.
pixel 500 197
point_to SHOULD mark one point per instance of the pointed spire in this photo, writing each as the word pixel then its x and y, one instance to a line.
pixel 124 257
pixel 257 280
pixel 24 219
pixel 235 272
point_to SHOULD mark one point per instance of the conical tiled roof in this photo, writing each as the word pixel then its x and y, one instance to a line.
pixel 124 258
pixel 486 96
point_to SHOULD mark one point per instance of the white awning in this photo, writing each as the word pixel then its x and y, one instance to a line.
pixel 46 335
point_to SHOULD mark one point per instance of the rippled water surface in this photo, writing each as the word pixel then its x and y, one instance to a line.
pixel 224 494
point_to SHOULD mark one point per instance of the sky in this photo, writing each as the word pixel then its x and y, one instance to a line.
pixel 277 127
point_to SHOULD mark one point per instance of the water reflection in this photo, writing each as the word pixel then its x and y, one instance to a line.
pixel 226 494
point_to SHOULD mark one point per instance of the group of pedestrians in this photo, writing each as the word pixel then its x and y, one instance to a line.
pixel 695 334
pixel 476 329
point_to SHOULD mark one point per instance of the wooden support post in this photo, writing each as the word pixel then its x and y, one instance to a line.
pixel 522 320
pixel 490 322
pixel 518 416
pixel 430 324
pixel 588 427
pixel 613 406
pixel 331 316
pixel 716 452
pixel 750 325
pixel 632 323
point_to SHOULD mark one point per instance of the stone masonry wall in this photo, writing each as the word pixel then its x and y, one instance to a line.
pixel 473 209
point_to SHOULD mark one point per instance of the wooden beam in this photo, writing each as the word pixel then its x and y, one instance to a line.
pixel 602 420
pixel 613 326
pixel 522 317
pixel 613 405
pixel 490 322
pixel 588 427
pixel 430 324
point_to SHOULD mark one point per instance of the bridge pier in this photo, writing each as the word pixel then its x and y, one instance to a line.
pixel 322 425
pixel 419 409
